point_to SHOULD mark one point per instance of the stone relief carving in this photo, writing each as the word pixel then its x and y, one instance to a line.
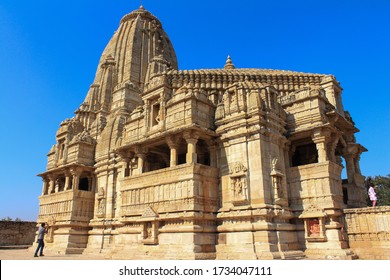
pixel 313 227
pixel 238 184
pixel 150 233
pixel 103 123
pixel 101 209
pixel 149 212
pixel 49 238
pixel 83 136
pixel 239 188
pixel 237 168
pixel 277 181
pixel 148 230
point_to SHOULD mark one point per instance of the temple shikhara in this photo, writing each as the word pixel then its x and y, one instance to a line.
pixel 227 163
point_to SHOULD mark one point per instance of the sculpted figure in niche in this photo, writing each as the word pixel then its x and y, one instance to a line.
pixel 101 202
pixel 101 206
pixel 158 117
pixel 149 232
pixel 314 227
pixel 239 188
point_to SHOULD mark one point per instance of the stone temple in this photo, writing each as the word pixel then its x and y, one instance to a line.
pixel 229 163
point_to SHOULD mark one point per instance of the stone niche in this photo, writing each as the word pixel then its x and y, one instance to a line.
pixel 238 184
pixel 150 224
pixel 314 222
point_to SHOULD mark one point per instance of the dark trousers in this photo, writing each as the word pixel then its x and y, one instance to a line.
pixel 41 244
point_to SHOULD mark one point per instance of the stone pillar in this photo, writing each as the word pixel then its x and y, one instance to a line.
pixel 332 149
pixel 52 179
pixel 191 139
pixel 76 172
pixel 320 139
pixel 173 146
pixel 68 184
pixel 191 156
pixel 89 183
pixel 350 166
pixel 357 192
pixel 141 160
pixel 357 165
pixel 45 187
pixel 109 207
pixel 173 157
pixel 124 167
pixel 140 153
pixel 213 155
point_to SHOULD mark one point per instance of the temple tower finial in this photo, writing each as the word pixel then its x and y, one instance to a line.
pixel 229 64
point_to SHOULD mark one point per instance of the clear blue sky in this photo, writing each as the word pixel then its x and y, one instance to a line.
pixel 49 51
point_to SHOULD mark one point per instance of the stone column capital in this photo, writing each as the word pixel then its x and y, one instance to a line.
pixel 320 135
pixel 191 136
pixel 125 156
pixel 45 178
pixel 75 171
pixel 138 150
pixel 52 177
pixel 173 141
pixel 211 143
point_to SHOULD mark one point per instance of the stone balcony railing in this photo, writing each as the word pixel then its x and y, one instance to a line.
pixel 75 205
pixel 316 184
pixel 186 187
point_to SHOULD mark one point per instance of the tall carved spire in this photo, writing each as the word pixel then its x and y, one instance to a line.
pixel 139 40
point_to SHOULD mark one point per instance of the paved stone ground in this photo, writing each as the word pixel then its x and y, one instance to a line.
pixel 21 253
pixel 28 254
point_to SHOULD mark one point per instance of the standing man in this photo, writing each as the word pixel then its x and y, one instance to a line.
pixel 41 243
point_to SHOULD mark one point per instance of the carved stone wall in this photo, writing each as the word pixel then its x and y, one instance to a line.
pixel 318 184
pixel 368 231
